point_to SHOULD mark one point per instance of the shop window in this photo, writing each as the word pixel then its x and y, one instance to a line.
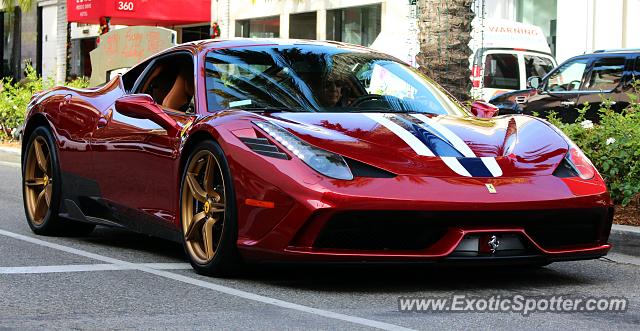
pixel 194 33
pixel 303 26
pixel 10 45
pixel 265 27
pixel 355 25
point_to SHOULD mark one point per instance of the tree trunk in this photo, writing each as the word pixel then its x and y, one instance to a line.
pixel 444 35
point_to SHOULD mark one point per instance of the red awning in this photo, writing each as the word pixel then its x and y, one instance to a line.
pixel 140 12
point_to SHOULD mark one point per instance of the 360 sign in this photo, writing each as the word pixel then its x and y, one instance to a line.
pixel 125 5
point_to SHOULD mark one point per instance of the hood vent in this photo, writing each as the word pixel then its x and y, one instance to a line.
pixel 359 169
pixel 565 170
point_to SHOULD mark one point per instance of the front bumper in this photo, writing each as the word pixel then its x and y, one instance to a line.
pixel 307 205
pixel 356 224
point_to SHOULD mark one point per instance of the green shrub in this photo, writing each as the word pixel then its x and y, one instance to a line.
pixel 613 145
pixel 15 96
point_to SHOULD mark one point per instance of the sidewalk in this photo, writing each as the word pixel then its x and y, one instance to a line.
pixel 625 239
pixel 10 150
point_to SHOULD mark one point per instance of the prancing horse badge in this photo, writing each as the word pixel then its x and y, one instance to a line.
pixel 491 188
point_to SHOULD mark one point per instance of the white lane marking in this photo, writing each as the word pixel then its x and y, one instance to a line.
pixel 456 166
pixel 88 267
pixel 211 286
pixel 167 266
pixel 10 164
pixel 492 165
pixel 60 268
pixel 413 142
pixel 453 138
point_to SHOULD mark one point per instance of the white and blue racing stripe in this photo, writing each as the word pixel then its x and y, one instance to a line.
pixel 430 138
pixel 488 163
pixel 406 136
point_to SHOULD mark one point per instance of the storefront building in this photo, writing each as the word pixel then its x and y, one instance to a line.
pixel 353 21
pixel 574 27
pixel 191 22
pixel 387 25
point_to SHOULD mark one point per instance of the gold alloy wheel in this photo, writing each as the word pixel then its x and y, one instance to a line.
pixel 203 206
pixel 38 180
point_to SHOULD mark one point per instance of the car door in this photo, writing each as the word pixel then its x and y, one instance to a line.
pixel 560 91
pixel 136 159
pixel 604 81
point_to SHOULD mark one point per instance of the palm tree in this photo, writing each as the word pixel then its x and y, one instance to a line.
pixel 444 35
pixel 25 5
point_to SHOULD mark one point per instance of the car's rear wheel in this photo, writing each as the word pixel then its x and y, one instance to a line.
pixel 42 189
pixel 207 211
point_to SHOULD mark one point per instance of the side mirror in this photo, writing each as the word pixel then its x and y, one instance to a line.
pixel 144 107
pixel 533 82
pixel 483 109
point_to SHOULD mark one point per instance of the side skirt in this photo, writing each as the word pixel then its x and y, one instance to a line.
pixel 83 202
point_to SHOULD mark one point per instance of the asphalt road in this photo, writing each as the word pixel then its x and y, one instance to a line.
pixel 118 280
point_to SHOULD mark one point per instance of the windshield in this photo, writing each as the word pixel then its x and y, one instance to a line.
pixel 309 78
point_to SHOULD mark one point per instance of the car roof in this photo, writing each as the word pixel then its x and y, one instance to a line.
pixel 616 51
pixel 211 44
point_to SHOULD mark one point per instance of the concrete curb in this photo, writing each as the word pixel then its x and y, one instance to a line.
pixel 625 239
pixel 10 150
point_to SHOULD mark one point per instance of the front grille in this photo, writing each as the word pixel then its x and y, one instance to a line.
pixel 408 230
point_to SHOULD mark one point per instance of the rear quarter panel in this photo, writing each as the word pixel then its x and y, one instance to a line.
pixel 72 115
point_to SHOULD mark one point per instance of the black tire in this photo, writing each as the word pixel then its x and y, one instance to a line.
pixel 226 260
pixel 52 224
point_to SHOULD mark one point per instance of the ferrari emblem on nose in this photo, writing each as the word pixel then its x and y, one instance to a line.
pixel 493 243
pixel 491 188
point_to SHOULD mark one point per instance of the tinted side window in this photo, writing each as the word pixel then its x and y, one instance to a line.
pixel 568 77
pixel 170 83
pixel 606 74
pixel 502 71
pixel 129 78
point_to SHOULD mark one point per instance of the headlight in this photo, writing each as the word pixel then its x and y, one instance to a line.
pixel 581 163
pixel 327 163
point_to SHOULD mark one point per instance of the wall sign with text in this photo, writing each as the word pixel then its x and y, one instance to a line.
pixel 128 6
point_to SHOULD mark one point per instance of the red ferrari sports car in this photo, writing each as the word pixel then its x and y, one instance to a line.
pixel 272 150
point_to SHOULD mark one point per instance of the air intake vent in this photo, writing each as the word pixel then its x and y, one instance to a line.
pixel 359 169
pixel 264 147
pixel 565 170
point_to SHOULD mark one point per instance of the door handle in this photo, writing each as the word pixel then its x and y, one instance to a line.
pixel 567 103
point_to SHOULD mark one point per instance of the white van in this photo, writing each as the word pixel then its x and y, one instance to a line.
pixel 505 55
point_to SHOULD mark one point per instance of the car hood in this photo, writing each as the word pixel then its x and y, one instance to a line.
pixel 434 145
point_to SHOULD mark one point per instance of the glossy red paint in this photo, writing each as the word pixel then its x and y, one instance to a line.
pixel 123 156
pixel 483 109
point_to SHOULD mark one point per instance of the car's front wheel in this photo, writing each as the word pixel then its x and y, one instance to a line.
pixel 207 211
